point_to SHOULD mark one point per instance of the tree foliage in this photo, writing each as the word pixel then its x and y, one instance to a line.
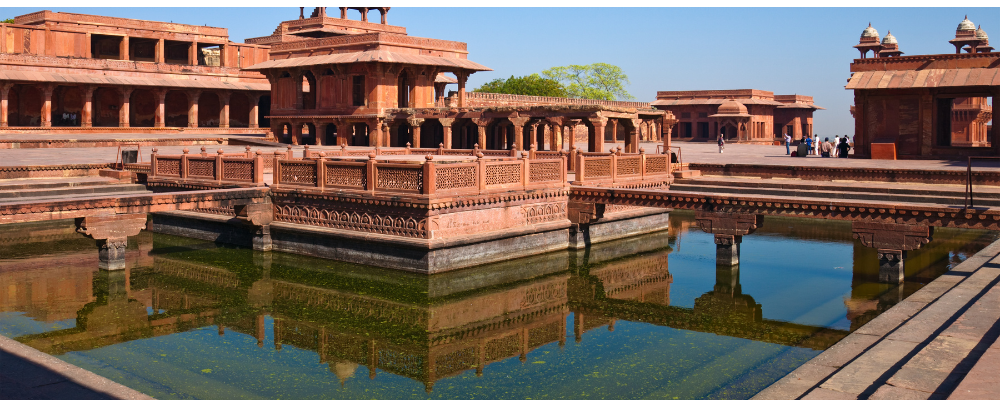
pixel 530 85
pixel 7 21
pixel 598 81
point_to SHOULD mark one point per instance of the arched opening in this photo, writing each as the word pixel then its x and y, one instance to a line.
pixel 239 110
pixel 25 106
pixel 107 105
pixel 263 110
pixel 499 135
pixel 176 109
pixel 142 106
pixel 400 135
pixel 431 134
pixel 308 91
pixel 309 133
pixel 67 106
pixel 359 134
pixel 209 110
pixel 331 135
pixel 464 134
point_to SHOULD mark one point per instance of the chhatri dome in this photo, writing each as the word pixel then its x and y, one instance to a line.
pixel 889 39
pixel 869 32
pixel 732 107
pixel 966 25
pixel 981 34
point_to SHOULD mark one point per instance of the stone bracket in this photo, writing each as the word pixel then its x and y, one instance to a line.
pixel 116 226
pixel 891 236
pixel 728 224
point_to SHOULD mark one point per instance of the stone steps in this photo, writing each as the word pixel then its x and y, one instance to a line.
pixel 65 192
pixel 54 183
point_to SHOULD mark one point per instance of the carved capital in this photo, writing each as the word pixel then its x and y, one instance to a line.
pixel 258 214
pixel 721 223
pixel 482 122
pixel 446 121
pixel 890 236
pixel 518 121
pixel 111 226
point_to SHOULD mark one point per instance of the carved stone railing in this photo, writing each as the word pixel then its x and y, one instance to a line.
pixel 622 170
pixel 344 150
pixel 430 177
pixel 239 168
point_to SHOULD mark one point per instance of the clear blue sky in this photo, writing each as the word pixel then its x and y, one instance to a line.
pixel 785 50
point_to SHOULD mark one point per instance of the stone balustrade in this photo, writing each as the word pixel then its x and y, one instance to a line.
pixel 622 170
pixel 446 177
pixel 235 168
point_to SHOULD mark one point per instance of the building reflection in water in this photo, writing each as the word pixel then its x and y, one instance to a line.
pixel 421 327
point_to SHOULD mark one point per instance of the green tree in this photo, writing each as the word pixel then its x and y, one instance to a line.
pixel 530 85
pixel 598 81
pixel 7 21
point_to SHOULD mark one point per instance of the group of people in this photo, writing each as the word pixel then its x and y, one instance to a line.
pixel 839 147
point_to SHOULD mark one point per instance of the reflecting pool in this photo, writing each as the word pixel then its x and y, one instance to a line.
pixel 647 317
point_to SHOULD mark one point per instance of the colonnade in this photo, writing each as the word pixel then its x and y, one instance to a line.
pixel 25 100
pixel 490 133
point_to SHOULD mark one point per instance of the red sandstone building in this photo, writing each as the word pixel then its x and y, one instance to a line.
pixel 926 106
pixel 65 72
pixel 378 86
pixel 746 116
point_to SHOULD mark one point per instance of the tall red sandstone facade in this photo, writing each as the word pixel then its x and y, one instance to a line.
pixel 927 106
pixel 65 72
pixel 744 115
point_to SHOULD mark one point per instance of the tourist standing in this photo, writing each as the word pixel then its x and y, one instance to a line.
pixel 809 144
pixel 843 148
pixel 722 143
pixel 788 142
pixel 826 148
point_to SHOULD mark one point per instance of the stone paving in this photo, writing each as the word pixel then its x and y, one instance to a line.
pixel 940 341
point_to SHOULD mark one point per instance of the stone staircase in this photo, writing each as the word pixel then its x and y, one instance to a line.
pixel 36 189
pixel 949 195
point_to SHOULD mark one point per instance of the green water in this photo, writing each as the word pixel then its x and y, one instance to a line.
pixel 648 317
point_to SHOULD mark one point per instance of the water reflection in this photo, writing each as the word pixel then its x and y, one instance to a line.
pixel 363 321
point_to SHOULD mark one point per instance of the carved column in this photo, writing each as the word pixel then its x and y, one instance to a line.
pixel 518 131
pixel 254 110
pixel 296 133
pixel 47 105
pixel 633 137
pixel 224 111
pixel 193 97
pixel 193 53
pixel 4 106
pixel 124 114
pixel 446 123
pixel 111 233
pixel 614 131
pixel 482 124
pixel 595 138
pixel 728 229
pixel 320 134
pixel 158 54
pixel 462 78
pixel 386 134
pixel 87 114
pixel 415 124
pixel 123 50
pixel 892 242
pixel 297 84
pixel 160 119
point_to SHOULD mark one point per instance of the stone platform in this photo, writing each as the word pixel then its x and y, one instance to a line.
pixel 940 342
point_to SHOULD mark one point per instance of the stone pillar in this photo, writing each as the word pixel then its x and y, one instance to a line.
pixel 124 114
pixel 892 242
pixel 415 124
pixel 386 134
pixel 4 103
pixel 296 133
pixel 193 108
pixel 320 134
pixel 482 124
pixel 297 84
pixel 193 53
pixel 254 110
pixel 614 131
pixel 518 131
pixel 462 78
pixel 728 229
pixel 111 233
pixel 47 105
pixel 158 52
pixel 160 119
pixel 224 110
pixel 87 114
pixel 123 49
pixel 533 136
pixel 727 249
pixel 446 123
pixel 632 145
pixel 595 139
